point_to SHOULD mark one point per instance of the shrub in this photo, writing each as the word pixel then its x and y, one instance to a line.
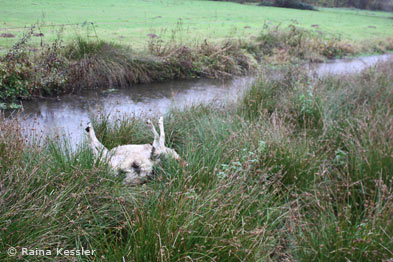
pixel 15 71
pixel 288 4
pixel 23 75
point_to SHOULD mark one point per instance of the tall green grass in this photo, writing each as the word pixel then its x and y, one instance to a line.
pixel 299 170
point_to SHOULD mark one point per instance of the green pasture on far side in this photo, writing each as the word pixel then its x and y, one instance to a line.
pixel 130 21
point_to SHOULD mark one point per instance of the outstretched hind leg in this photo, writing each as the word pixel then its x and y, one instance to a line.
pixel 162 133
pixel 164 149
pixel 156 142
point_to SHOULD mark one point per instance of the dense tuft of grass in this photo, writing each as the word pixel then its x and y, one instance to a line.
pixel 97 63
pixel 283 44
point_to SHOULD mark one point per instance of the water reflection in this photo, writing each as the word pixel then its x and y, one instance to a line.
pixel 69 115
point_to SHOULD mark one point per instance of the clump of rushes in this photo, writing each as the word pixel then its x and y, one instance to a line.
pixel 266 180
pixel 102 64
pixel 291 94
pixel 11 143
pixel 278 45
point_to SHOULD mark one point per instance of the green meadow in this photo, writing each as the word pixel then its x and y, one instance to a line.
pixel 130 22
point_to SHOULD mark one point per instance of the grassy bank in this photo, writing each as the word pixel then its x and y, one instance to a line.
pixel 128 22
pixel 298 170
pixel 59 68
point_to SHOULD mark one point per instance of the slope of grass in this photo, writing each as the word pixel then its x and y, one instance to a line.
pixel 129 22
pixel 299 170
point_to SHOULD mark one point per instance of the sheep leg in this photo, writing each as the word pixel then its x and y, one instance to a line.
pixel 156 136
pixel 162 133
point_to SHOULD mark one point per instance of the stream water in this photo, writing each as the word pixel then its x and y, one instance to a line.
pixel 69 115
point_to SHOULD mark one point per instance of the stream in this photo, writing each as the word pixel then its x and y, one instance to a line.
pixel 68 115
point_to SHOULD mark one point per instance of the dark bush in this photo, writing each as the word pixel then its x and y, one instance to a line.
pixel 288 4
pixel 293 4
pixel 266 3
pixel 385 5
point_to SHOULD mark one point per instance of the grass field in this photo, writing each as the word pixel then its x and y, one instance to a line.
pixel 129 21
